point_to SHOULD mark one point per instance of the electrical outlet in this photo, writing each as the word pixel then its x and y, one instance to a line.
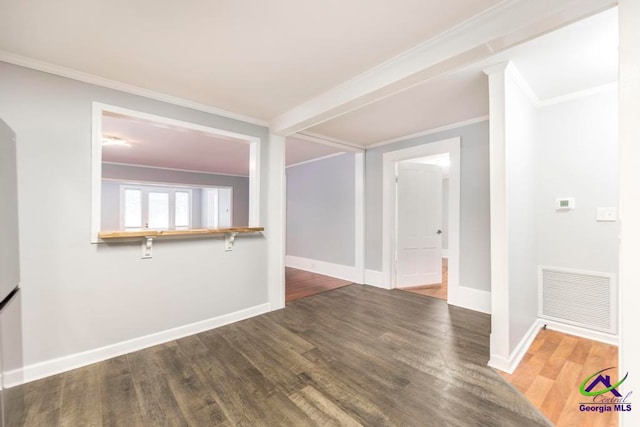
pixel 607 214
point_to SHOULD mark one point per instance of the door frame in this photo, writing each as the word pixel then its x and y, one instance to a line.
pixel 389 229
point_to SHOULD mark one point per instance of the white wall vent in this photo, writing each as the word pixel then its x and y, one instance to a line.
pixel 581 298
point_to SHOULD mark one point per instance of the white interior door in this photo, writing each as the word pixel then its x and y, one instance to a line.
pixel 224 205
pixel 217 207
pixel 418 225
pixel 210 208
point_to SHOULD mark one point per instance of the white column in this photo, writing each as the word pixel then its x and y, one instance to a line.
pixel 275 227
pixel 499 341
pixel 629 127
pixel 359 218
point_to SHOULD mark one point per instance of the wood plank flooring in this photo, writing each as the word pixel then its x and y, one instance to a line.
pixel 302 284
pixel 436 291
pixel 551 372
pixel 353 356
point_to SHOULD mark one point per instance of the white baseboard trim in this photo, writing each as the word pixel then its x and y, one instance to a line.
pixel 47 368
pixel 339 271
pixel 472 299
pixel 375 278
pixel 499 363
pixel 445 253
pixel 509 365
pixel 581 332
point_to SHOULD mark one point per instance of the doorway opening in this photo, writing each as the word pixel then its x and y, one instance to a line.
pixel 422 194
pixel 412 246
pixel 324 216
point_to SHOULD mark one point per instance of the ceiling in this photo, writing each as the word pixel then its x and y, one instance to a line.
pixel 160 145
pixel 262 60
pixel 577 57
pixel 256 58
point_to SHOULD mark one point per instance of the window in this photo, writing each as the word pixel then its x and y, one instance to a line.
pixel 155 207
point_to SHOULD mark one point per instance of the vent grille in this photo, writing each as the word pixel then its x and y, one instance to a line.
pixel 583 299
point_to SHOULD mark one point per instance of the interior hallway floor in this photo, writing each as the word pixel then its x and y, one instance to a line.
pixel 552 370
pixel 302 284
pixel 437 290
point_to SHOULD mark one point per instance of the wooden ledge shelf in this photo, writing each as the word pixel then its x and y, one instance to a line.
pixel 111 235
pixel 148 236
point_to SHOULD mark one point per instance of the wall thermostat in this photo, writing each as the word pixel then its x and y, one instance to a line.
pixel 565 203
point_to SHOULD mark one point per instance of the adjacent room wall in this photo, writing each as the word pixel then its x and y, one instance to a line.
pixel 111 216
pixel 578 156
pixel 520 142
pixel 474 201
pixel 562 148
pixel 321 210
pixel 80 297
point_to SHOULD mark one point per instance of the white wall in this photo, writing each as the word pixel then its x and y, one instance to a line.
pixel 629 104
pixel 110 206
pixel 475 267
pixel 577 152
pixel 321 210
pixel 565 149
pixel 520 142
pixel 78 296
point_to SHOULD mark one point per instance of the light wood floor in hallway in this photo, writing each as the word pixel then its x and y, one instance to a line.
pixel 352 356
pixel 551 372
pixel 436 291
pixel 302 284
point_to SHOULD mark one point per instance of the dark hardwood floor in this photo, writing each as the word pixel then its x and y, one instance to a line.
pixel 302 284
pixel 356 355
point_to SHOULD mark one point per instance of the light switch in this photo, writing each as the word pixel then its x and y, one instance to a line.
pixel 607 214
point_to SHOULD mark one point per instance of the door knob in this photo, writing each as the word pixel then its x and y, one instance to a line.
pixel 439 232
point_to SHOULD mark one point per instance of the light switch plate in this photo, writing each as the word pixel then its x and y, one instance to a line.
pixel 607 214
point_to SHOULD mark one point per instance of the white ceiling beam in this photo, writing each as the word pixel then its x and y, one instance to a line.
pixel 331 142
pixel 509 23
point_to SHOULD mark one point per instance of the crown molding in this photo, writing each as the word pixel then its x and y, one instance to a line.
pixel 69 73
pixel 576 95
pixel 137 165
pixel 522 83
pixel 317 159
pixel 430 131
